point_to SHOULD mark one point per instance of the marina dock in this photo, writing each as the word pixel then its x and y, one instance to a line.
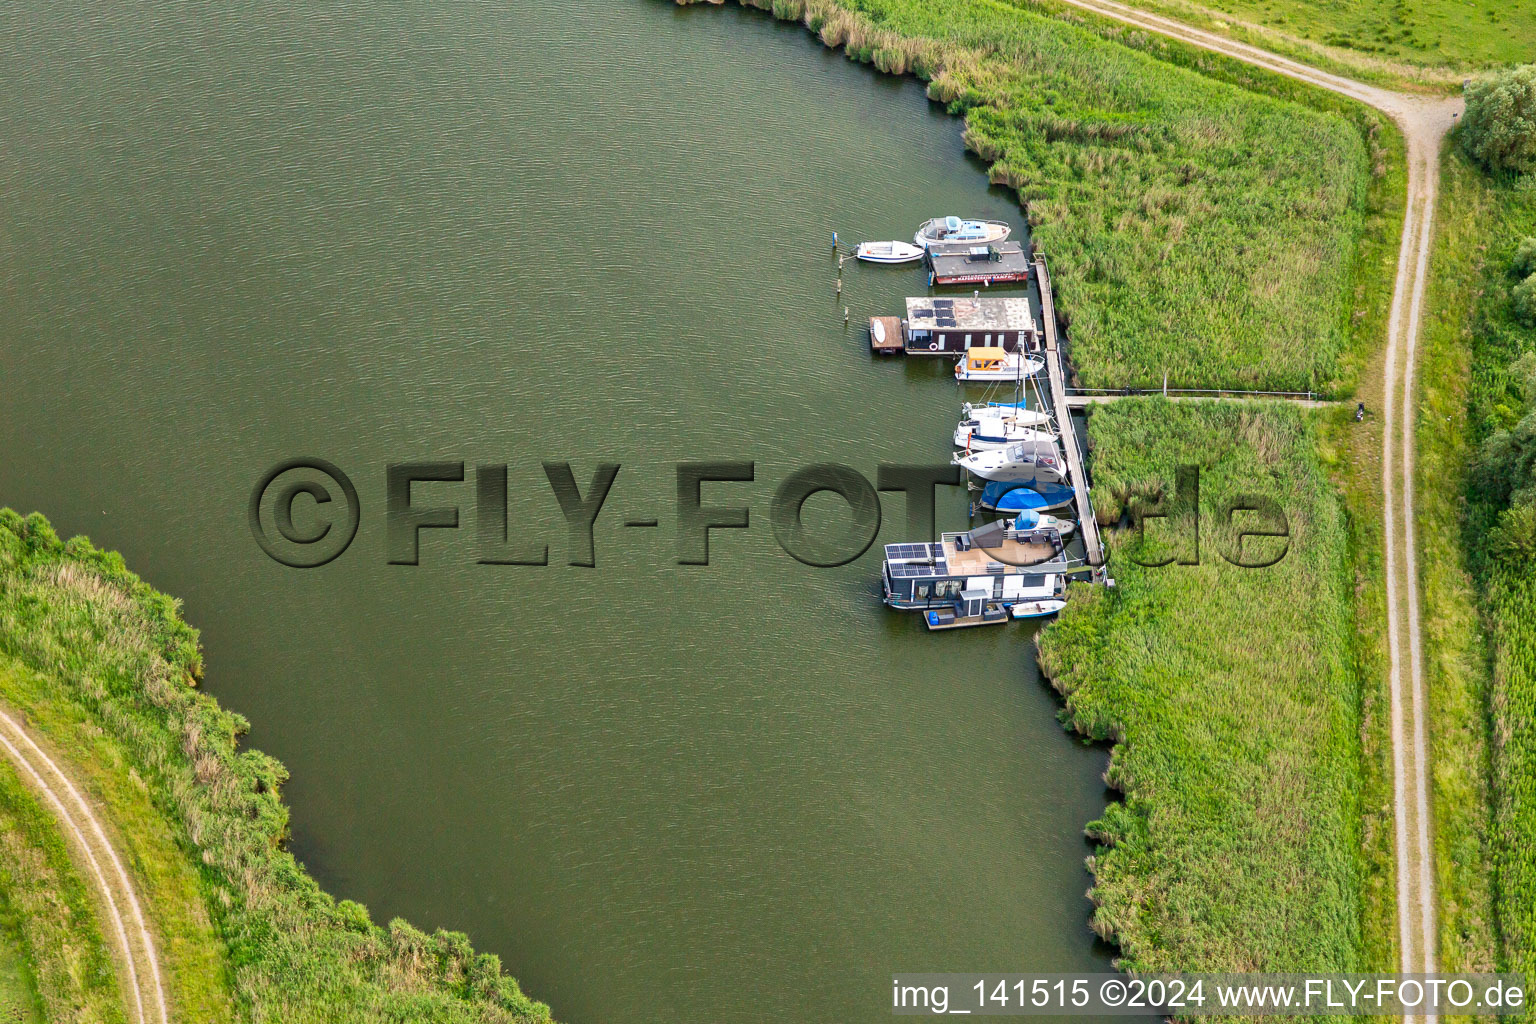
pixel 1055 368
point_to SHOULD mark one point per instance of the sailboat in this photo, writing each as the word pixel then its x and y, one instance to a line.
pixel 1017 463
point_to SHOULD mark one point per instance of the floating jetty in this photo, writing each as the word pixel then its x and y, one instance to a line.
pixel 997 263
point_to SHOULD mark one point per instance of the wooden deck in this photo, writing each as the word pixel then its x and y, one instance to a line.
pixel 885 335
pixel 1077 469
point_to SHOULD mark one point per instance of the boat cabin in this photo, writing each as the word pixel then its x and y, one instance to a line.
pixel 995 564
pixel 985 360
pixel 949 327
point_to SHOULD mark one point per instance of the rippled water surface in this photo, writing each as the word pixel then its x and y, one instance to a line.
pixel 236 233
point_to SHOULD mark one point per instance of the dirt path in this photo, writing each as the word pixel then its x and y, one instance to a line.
pixel 122 917
pixel 1424 122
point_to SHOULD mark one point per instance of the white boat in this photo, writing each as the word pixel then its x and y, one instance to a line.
pixel 989 427
pixel 992 364
pixel 1016 411
pixel 1019 463
pixel 1042 600
pixel 889 252
pixel 951 230
pixel 1031 520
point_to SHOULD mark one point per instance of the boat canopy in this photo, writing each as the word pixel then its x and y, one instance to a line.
pixel 985 358
pixel 952 223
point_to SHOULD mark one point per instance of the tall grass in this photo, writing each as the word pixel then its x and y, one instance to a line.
pixel 109 650
pixel 1194 228
pixel 1231 698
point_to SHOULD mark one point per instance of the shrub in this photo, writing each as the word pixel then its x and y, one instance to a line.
pixel 1525 257
pixel 1523 296
pixel 1499 129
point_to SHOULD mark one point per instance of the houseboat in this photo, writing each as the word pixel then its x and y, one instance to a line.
pixel 972 578
pixel 967 263
pixel 949 230
pixel 950 326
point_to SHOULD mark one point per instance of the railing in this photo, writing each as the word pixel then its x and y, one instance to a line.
pixel 1310 396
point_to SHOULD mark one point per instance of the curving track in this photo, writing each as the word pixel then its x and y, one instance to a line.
pixel 123 922
pixel 1424 122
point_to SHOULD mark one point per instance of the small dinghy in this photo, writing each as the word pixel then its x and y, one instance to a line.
pixel 889 252
pixel 992 364
pixel 952 230
pixel 1043 601
pixel 1019 463
pixel 999 496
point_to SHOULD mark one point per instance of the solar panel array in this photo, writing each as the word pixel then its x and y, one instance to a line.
pixel 930 560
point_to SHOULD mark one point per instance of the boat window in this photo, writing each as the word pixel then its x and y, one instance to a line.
pixel 967 341
pixel 921 590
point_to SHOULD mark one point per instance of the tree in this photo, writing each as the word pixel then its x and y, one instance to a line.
pixel 1499 129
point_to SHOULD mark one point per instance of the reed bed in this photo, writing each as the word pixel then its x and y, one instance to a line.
pixel 1194 227
pixel 103 650
pixel 1230 696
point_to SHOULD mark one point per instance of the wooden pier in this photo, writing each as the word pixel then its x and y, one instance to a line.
pixel 1055 368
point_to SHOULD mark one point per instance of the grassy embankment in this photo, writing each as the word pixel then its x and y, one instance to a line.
pixel 1427 45
pixel 1230 693
pixel 1479 568
pixel 103 668
pixel 1193 226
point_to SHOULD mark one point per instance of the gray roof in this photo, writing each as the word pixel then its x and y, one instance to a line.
pixel 946 314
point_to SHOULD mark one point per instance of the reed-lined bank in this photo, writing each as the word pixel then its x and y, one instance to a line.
pixel 1230 695
pixel 1195 229
pixel 104 666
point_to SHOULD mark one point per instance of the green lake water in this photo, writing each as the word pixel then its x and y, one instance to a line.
pixel 597 230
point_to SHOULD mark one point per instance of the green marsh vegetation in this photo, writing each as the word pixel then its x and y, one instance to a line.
pixel 1231 696
pixel 1478 573
pixel 1194 227
pixel 1411 44
pixel 104 668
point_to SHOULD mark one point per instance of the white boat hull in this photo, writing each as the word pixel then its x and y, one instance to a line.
pixel 970 232
pixel 990 435
pixel 1017 367
pixel 1023 417
pixel 889 252
pixel 1037 609
pixel 1042 466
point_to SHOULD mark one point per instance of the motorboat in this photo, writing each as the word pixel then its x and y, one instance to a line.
pixel 1001 496
pixel 953 230
pixel 993 364
pixel 889 252
pixel 1031 520
pixel 1018 463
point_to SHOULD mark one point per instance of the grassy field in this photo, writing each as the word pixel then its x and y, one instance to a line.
pixel 1426 44
pixel 1232 699
pixel 104 669
pixel 1194 227
pixel 1473 383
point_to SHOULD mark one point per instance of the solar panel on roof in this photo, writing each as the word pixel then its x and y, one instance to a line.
pixel 943 303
